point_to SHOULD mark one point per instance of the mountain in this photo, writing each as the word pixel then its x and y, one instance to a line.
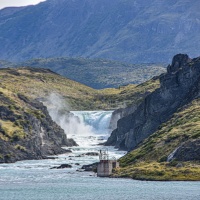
pixel 6 64
pixel 178 87
pixel 162 131
pixel 171 153
pixel 126 30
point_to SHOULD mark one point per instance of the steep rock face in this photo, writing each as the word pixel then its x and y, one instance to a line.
pixel 120 113
pixel 36 135
pixel 189 151
pixel 135 97
pixel 178 86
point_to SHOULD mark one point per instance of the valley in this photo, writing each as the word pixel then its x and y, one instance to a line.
pixel 99 99
pixel 23 88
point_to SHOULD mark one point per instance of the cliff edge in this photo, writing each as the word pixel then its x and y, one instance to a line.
pixel 178 87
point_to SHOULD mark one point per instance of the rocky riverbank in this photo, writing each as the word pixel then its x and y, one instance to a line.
pixel 162 133
pixel 27 130
pixel 178 87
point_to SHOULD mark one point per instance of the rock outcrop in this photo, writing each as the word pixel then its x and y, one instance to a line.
pixel 139 93
pixel 90 167
pixel 62 166
pixel 29 132
pixel 179 86
pixel 189 151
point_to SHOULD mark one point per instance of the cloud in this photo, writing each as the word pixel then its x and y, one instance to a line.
pixel 10 3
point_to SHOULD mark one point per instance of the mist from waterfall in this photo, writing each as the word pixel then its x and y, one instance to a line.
pixel 98 121
pixel 78 124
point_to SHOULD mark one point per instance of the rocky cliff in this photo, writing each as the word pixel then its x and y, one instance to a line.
pixel 178 87
pixel 135 98
pixel 26 129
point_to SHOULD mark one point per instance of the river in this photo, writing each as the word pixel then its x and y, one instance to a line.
pixel 34 180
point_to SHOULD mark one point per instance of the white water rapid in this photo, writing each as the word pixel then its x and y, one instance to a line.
pixel 89 127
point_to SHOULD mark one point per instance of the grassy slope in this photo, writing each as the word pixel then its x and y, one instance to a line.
pixel 127 95
pixel 149 160
pixel 39 83
pixel 12 130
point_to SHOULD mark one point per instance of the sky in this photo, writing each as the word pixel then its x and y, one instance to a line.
pixel 10 3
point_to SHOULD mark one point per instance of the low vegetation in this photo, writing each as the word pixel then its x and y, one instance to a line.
pixel 149 160
pixel 96 73
pixel 155 171
pixel 40 83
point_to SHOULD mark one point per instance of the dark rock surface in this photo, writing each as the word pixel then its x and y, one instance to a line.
pixel 122 112
pixel 189 151
pixel 179 86
pixel 43 136
pixel 91 154
pixel 62 166
pixel 90 167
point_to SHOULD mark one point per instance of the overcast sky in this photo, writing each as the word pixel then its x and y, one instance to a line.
pixel 8 3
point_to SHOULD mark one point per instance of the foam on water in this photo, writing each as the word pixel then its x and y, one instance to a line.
pixel 33 179
pixel 91 127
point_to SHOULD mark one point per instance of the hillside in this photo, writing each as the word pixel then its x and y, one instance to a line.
pixel 98 73
pixel 39 83
pixel 95 73
pixel 26 129
pixel 177 141
pixel 125 30
pixel 5 64
pixel 162 131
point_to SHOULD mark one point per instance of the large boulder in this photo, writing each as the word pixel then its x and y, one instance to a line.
pixel 189 151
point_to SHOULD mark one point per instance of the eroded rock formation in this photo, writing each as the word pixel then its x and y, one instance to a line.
pixel 179 86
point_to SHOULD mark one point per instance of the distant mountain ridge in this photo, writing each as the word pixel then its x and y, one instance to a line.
pixel 126 30
pixel 95 73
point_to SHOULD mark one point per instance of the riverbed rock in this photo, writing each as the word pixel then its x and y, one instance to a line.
pixel 91 154
pixel 62 166
pixel 77 164
pixel 90 167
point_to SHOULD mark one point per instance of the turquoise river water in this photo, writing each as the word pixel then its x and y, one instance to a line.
pixel 34 180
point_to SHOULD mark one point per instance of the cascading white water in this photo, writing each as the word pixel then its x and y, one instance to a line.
pixel 98 121
pixel 89 127
pixel 79 124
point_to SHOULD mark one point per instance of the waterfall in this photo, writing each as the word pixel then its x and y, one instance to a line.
pixel 96 122
pixel 82 126
pixel 89 127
